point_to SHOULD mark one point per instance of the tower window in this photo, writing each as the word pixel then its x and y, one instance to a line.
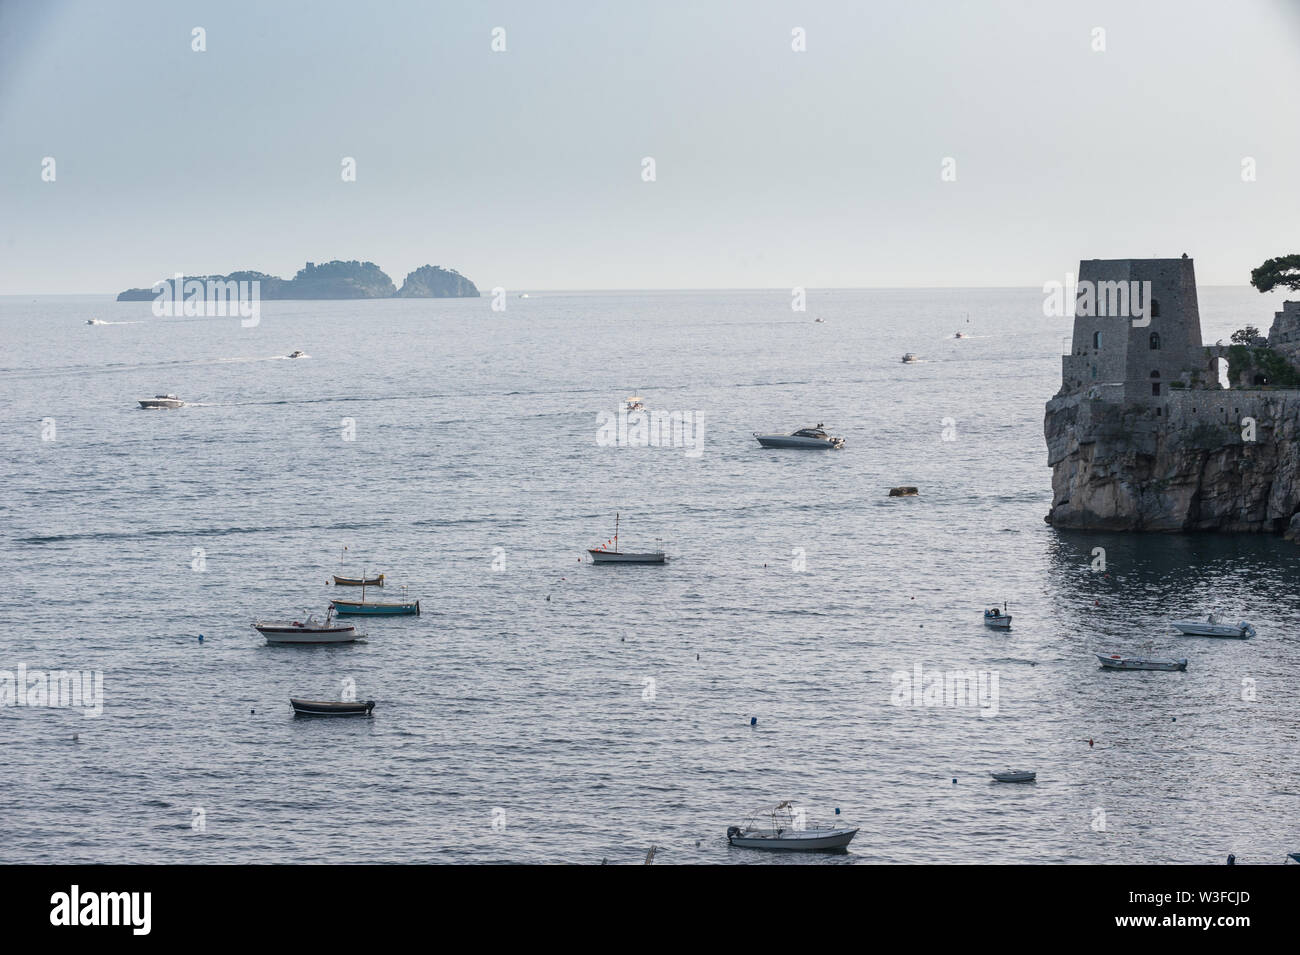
pixel 1155 309
pixel 1155 342
pixel 1096 339
pixel 1155 388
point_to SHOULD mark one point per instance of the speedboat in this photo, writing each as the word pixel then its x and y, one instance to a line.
pixel 1215 625
pixel 1117 662
pixel 814 438
pixel 1014 776
pixel 309 631
pixel 997 619
pixel 298 354
pixel 778 828
pixel 161 401
pixel 961 335
pixel 96 321
pixel 909 358
pixel 610 554
pixel 819 321
pixel 330 707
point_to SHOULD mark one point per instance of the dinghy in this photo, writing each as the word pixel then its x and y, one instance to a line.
pixel 1014 776
pixel 1215 625
pixel 775 829
pixel 1117 662
pixel 359 581
pixel 610 554
pixel 330 707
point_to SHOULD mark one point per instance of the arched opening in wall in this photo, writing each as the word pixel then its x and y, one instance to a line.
pixel 1219 366
pixel 1155 342
pixel 1261 379
pixel 1096 339
pixel 1155 384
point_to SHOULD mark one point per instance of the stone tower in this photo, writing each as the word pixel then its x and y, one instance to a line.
pixel 1132 340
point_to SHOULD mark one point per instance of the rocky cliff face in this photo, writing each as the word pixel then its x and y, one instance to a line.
pixel 432 281
pixel 1193 467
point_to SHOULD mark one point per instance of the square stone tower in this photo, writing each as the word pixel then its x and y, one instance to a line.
pixel 1117 352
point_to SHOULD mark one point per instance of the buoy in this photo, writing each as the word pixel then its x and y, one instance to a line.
pixel 76 736
pixel 200 638
pixel 1090 744
pixel 252 711
pixel 837 810
pixel 1175 719
pixel 954 780
pixel 697 656
pixel 753 721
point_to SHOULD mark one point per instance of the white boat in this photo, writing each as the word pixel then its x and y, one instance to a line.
pixel 161 401
pixel 819 321
pixel 1215 625
pixel 634 403
pixel 810 438
pixel 298 354
pixel 960 335
pixel 780 828
pixel 610 554
pixel 310 630
pixel 1116 662
pixel 1014 776
pixel 997 619
pixel 909 359
pixel 95 321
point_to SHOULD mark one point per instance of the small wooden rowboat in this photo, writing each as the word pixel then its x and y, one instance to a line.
pixel 1117 662
pixel 330 707
pixel 1014 776
pixel 358 581
pixel 370 607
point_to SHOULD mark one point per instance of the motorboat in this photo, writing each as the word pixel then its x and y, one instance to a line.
pixel 161 401
pixel 610 554
pixel 373 608
pixel 960 335
pixel 1117 662
pixel 780 828
pixel 1215 625
pixel 310 630
pixel 96 321
pixel 909 358
pixel 298 354
pixel 997 619
pixel 819 321
pixel 809 438
pixel 1014 776
pixel 634 403
pixel 330 707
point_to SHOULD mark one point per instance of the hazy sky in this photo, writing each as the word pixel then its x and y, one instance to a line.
pixel 523 169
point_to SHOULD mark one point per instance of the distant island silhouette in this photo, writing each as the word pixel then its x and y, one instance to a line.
pixel 337 280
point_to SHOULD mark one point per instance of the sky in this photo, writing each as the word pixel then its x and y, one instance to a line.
pixel 773 168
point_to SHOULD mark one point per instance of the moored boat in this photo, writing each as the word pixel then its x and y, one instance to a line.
pixel 359 581
pixel 361 607
pixel 330 707
pixel 1014 776
pixel 815 439
pixel 610 554
pixel 297 354
pixel 310 630
pixel 910 359
pixel 634 403
pixel 782 829
pixel 1215 625
pixel 161 401
pixel 1117 662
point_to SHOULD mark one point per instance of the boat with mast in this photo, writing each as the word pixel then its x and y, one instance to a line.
pixel 361 581
pixel 402 608
pixel 610 554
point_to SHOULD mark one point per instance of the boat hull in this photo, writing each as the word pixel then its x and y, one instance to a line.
pixel 330 708
pixel 1141 663
pixel 998 623
pixel 284 633
pixel 358 582
pixel 622 557
pixel 804 444
pixel 344 608
pixel 808 840
pixel 1199 628
pixel 157 403
pixel 1013 776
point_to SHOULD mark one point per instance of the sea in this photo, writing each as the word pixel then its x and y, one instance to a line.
pixel 810 639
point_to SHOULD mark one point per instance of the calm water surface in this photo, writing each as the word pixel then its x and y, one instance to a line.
pixel 522 696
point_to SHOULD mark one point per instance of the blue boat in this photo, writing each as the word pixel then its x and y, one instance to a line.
pixel 371 608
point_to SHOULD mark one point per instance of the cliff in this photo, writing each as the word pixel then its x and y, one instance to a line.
pixel 337 280
pixel 432 281
pixel 1185 464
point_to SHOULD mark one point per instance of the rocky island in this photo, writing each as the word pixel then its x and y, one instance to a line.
pixel 337 280
pixel 1143 437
